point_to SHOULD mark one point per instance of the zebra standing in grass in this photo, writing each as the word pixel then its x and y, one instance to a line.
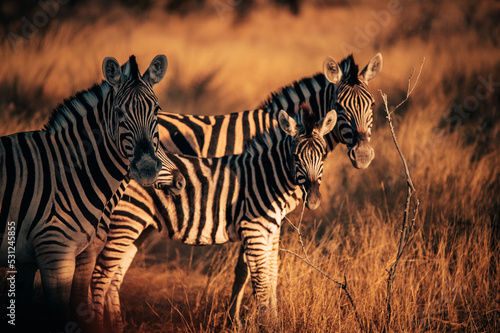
pixel 341 86
pixel 233 198
pixel 55 183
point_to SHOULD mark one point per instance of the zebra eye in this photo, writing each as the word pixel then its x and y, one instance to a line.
pixel 120 114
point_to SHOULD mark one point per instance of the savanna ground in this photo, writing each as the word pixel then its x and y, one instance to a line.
pixel 228 56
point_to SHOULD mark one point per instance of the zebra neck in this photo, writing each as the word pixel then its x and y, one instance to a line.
pixel 104 223
pixel 80 125
pixel 316 91
pixel 267 156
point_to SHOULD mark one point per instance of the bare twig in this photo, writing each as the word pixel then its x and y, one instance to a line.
pixel 306 260
pixel 406 230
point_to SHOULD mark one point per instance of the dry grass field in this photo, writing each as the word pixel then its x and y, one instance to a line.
pixel 224 57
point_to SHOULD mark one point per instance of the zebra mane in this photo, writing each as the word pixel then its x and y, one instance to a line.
pixel 319 77
pixel 81 101
pixel 133 68
pixel 349 75
pixel 76 106
pixel 309 119
pixel 349 71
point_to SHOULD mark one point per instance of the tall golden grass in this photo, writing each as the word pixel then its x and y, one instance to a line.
pixel 448 279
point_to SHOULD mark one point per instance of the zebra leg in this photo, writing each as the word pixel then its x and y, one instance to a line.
pixel 111 316
pixel 57 277
pixel 113 321
pixel 101 279
pixel 81 302
pixel 25 276
pixel 274 270
pixel 242 276
pixel 258 245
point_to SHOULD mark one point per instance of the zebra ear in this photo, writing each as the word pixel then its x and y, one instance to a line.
pixel 328 123
pixel 287 123
pixel 112 71
pixel 332 70
pixel 156 70
pixel 373 69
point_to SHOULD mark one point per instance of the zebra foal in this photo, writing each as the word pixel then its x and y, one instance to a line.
pixel 55 183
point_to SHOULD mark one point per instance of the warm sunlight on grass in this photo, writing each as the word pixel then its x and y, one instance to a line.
pixel 448 279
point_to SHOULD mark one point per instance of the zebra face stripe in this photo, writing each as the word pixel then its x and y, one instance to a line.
pixel 137 133
pixel 308 158
pixel 354 107
pixel 354 104
pixel 355 121
pixel 308 151
pixel 134 111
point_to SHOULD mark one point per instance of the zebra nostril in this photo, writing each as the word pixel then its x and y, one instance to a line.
pixel 179 180
pixel 352 154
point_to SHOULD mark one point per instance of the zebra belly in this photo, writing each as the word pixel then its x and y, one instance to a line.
pixel 201 239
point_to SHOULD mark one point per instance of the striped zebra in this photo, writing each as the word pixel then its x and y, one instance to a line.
pixel 211 136
pixel 339 87
pixel 55 183
pixel 228 199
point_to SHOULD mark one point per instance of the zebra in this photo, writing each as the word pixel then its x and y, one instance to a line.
pixel 55 183
pixel 228 199
pixel 339 86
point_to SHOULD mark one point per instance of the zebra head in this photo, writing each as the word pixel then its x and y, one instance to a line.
pixel 133 113
pixel 354 105
pixel 308 150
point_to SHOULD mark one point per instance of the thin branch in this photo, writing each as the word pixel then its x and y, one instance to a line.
pixel 406 230
pixel 409 90
pixel 306 260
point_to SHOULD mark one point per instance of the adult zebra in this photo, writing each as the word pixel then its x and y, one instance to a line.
pixel 55 183
pixel 233 198
pixel 209 136
pixel 339 87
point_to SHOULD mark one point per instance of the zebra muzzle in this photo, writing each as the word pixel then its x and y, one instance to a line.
pixel 361 155
pixel 313 197
pixel 145 169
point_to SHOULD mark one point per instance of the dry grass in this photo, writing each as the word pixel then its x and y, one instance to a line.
pixel 448 279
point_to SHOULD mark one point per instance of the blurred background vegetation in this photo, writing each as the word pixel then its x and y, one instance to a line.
pixel 227 56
